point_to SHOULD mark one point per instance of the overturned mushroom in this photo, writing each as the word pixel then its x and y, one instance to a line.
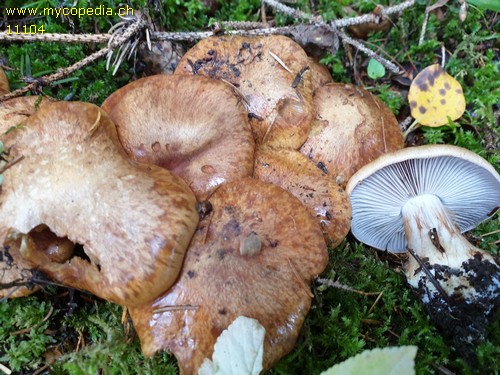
pixel 255 256
pixel 133 221
pixel 193 126
pixel 298 175
pixel 270 74
pixel 352 128
pixel 419 200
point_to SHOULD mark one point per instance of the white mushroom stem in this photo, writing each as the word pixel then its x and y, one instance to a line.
pixel 434 238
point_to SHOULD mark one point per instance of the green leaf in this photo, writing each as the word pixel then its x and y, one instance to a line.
pixel 238 350
pixel 2 148
pixel 375 69
pixel 486 4
pixel 387 361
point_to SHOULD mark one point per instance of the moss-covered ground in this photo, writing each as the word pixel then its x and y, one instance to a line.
pixel 66 332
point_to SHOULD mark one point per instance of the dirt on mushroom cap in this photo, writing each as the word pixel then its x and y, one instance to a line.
pixel 298 175
pixel 270 75
pixel 193 126
pixel 75 178
pixel 221 280
pixel 352 128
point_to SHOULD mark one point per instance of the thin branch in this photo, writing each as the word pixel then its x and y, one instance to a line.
pixel 367 18
pixel 244 25
pixel 337 285
pixel 57 38
pixel 43 81
pixel 170 308
pixel 389 65
pixel 295 13
pixel 3 168
pixel 424 27
pixel 241 29
pixel 431 277
pixel 117 39
pixel 121 35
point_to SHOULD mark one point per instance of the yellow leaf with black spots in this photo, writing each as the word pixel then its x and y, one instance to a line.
pixel 434 96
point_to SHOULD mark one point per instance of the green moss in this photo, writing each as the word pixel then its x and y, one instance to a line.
pixel 341 323
pixel 23 333
pixel 391 97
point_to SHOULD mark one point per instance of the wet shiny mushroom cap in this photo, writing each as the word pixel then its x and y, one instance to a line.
pixel 270 74
pixel 294 172
pixel 133 221
pixel 193 126
pixel 352 128
pixel 253 255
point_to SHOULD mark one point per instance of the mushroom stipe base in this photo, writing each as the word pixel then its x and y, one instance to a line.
pixel 463 320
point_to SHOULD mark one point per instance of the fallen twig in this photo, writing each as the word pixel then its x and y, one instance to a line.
pixel 114 41
pixel 174 308
pixel 5 369
pixel 336 284
pixel 126 35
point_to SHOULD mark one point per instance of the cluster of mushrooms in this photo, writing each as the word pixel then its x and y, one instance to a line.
pixel 212 193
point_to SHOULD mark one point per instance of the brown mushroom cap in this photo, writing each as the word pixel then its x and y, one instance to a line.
pixel 352 128
pixel 254 255
pixel 320 75
pixel 194 126
pixel 4 83
pixel 278 101
pixel 134 222
pixel 13 267
pixel 16 110
pixel 58 249
pixel 294 172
